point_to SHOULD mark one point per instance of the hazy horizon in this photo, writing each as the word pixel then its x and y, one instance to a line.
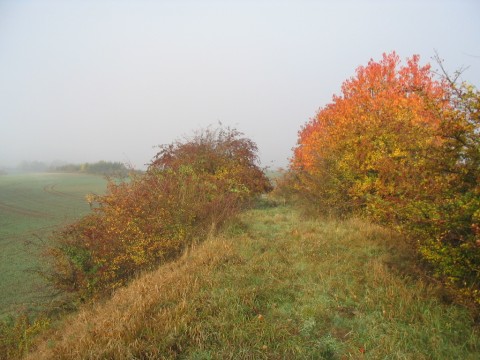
pixel 83 81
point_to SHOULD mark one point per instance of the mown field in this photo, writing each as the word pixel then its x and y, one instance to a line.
pixel 31 207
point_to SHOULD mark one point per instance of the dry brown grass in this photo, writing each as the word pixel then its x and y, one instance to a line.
pixel 155 305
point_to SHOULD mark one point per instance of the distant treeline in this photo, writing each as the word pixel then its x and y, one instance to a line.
pixel 100 167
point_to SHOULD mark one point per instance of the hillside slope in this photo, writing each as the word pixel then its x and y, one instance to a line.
pixel 275 286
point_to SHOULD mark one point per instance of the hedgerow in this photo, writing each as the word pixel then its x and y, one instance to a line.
pixel 190 188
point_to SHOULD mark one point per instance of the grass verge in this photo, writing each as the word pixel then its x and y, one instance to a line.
pixel 275 286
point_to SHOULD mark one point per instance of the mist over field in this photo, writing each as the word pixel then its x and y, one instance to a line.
pixel 83 81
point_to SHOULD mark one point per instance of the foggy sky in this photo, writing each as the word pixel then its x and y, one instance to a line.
pixel 82 81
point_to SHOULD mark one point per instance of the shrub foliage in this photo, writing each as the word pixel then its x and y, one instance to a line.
pixel 17 333
pixel 101 167
pixel 190 188
pixel 401 146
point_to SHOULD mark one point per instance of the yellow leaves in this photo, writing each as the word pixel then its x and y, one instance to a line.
pixel 189 189
pixel 367 140
pixel 399 153
pixel 404 149
pixel 90 198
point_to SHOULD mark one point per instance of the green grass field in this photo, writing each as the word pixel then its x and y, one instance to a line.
pixel 31 207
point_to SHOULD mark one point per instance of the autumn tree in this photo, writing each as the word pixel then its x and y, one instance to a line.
pixel 358 150
pixel 400 146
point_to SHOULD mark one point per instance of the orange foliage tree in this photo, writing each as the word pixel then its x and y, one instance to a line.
pixel 189 189
pixel 400 146
pixel 361 149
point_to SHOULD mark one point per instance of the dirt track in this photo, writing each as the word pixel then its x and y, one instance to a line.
pixel 22 211
pixel 50 188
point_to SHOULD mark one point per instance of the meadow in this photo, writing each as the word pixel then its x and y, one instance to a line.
pixel 31 207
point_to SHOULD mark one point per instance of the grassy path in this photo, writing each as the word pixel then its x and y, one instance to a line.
pixel 276 286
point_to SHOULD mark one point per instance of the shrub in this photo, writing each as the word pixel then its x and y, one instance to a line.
pixel 99 168
pixel 223 154
pixel 16 335
pixel 189 189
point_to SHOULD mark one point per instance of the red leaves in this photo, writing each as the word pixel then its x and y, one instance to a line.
pixel 189 189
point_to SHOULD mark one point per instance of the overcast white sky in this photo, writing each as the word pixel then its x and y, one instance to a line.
pixel 108 80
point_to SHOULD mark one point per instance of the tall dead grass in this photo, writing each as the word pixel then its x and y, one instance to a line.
pixel 154 307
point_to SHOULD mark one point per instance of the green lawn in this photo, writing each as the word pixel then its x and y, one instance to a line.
pixel 31 207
